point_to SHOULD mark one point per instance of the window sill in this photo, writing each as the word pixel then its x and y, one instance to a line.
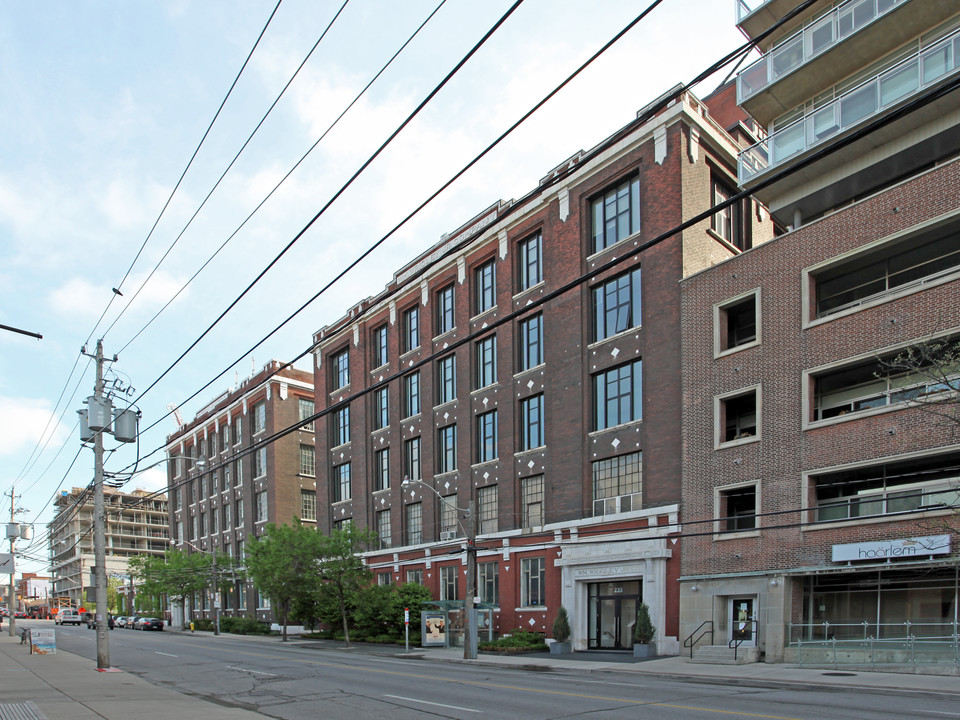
pixel 735 349
pixel 479 315
pixel 437 338
pixel 729 245
pixel 341 446
pixel 520 374
pixel 381 490
pixel 734 534
pixel 621 426
pixel 538 448
pixel 910 516
pixel 341 502
pixel 737 442
pixel 622 335
pixel 306 475
pixel 339 390
pixel 445 403
pixel 380 368
pixel 539 286
pixel 485 388
pixel 532 608
pixel 410 418
pixel 407 353
pixel 480 464
pixel 620 244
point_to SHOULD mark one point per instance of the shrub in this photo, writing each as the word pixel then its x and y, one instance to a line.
pixel 561 626
pixel 203 624
pixel 518 640
pixel 644 630
pixel 244 626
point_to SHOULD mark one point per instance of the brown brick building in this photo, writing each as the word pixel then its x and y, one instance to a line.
pixel 219 506
pixel 490 371
pixel 820 491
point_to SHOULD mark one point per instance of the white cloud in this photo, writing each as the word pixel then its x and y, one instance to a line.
pixel 151 480
pixel 80 298
pixel 26 424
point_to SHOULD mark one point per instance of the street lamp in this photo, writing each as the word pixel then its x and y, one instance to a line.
pixel 214 578
pixel 470 532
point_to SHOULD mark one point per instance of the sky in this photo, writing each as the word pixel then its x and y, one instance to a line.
pixel 106 102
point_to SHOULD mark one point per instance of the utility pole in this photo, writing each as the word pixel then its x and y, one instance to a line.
pixel 11 626
pixel 99 530
pixel 216 591
pixel 470 641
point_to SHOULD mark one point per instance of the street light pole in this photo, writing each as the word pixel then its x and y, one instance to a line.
pixel 213 581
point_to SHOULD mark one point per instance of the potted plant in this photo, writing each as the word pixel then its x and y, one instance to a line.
pixel 561 633
pixel 643 633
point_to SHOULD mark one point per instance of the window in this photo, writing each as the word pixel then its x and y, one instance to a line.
pixel 193 530
pixel 530 254
pixel 203 487
pixel 381 408
pixel 342 484
pixel 341 369
pixel 448 516
pixel 214 521
pixel 411 458
pixel 738 417
pixel 203 524
pixel 240 518
pixel 737 508
pixel 414 513
pixel 384 579
pixel 260 462
pixel 236 430
pixel 411 395
pixel 920 259
pixel 308 464
pixel 380 356
pixel 616 215
pixel 306 409
pixel 226 477
pixel 486 369
pixel 262 508
pixel 410 328
pixel 616 305
pixel 485 287
pixel 532 582
pixel 448 582
pixel 415 577
pixel 531 422
pixel 618 395
pixel 227 519
pixel 446 379
pixel 224 438
pixel 259 417
pixel 447 449
pixel 488 582
pixel 736 323
pixel 341 426
pixel 531 342
pixel 487 509
pixel 487 436
pixel 904 485
pixel 444 318
pixel 308 505
pixel 238 474
pixel 531 500
pixel 342 525
pixel 727 222
pixel 617 484
pixel 383 530
pixel 381 462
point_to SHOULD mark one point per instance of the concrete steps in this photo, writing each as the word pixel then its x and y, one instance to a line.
pixel 723 655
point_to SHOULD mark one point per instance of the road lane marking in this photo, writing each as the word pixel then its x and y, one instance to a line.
pixel 167 654
pixel 255 672
pixel 426 702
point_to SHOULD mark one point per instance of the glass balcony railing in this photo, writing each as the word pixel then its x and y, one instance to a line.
pixel 919 71
pixel 817 37
pixel 746 7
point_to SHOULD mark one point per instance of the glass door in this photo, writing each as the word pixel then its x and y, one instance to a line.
pixel 613 613
pixel 741 621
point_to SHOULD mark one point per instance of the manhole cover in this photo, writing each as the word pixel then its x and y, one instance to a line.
pixel 840 674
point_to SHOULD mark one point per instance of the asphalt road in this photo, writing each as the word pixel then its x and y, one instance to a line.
pixel 297 683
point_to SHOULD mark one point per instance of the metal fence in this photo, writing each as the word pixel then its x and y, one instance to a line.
pixel 870 644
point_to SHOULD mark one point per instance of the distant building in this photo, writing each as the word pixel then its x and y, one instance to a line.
pixel 33 591
pixel 234 497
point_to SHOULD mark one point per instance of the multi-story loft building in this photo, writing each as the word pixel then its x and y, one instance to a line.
pixel 823 488
pixel 136 524
pixel 491 371
pixel 243 483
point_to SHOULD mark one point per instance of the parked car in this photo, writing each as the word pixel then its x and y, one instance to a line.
pixel 91 620
pixel 131 621
pixel 20 614
pixel 68 617
pixel 121 621
pixel 150 623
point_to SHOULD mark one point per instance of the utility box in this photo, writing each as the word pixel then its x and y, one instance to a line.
pixel 125 424
pixel 99 413
pixel 86 434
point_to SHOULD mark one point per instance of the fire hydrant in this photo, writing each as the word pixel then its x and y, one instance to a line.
pixel 191 626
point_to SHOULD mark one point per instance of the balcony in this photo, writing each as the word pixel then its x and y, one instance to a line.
pixel 755 16
pixel 896 85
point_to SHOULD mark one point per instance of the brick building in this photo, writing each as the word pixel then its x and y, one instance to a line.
pixel 818 484
pixel 489 372
pixel 233 496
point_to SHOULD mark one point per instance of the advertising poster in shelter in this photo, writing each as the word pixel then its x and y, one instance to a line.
pixel 433 631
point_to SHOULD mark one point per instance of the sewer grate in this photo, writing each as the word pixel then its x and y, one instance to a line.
pixel 21 711
pixel 839 674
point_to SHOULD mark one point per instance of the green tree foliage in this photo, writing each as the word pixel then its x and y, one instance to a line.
pixel 283 563
pixel 412 596
pixel 177 574
pixel 561 626
pixel 342 569
pixel 644 630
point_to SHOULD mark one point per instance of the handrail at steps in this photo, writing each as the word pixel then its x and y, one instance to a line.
pixel 736 641
pixel 691 641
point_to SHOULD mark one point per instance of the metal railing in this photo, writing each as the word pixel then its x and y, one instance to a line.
pixel 746 7
pixel 707 627
pixel 924 68
pixel 871 644
pixel 741 636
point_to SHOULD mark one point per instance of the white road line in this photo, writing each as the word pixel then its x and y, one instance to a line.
pixel 424 702
pixel 255 672
pixel 167 654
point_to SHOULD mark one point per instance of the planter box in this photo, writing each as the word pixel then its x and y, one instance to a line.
pixel 560 648
pixel 644 650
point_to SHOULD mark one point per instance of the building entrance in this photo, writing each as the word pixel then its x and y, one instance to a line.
pixel 742 620
pixel 612 614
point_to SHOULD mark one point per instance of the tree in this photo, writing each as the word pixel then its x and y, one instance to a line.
pixel 341 567
pixel 283 563
pixel 561 626
pixel 644 630
pixel 929 375
pixel 177 574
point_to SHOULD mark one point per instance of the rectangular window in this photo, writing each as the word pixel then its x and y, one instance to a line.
pixel 260 462
pixel 738 508
pixel 739 417
pixel 384 531
pixel 488 509
pixel 415 577
pixel 485 284
pixel 531 342
pixel 263 513
pixel 381 462
pixel 448 582
pixel 341 426
pixel 238 474
pixel 487 436
pixel 380 356
pixel 448 516
pixel 531 422
pixel 486 367
pixel 215 521
pixel 411 458
pixel 530 259
pixel 411 395
pixel 533 582
pixel 737 323
pixel 342 483
pixel 531 500
pixel 616 305
pixel 306 409
pixel 447 449
pixel 444 318
pixel 414 513
pixel 616 215
pixel 726 222
pixel 384 579
pixel 240 517
pixel 236 430
pixel 308 505
pixel 224 438
pixel 488 582
pixel 259 417
pixel 308 461
pixel 411 329
pixel 617 484
pixel 227 516
pixel 341 369
pixel 381 408
pixel 203 524
pixel 203 487
pixel 618 395
pixel 226 477
pixel 446 379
